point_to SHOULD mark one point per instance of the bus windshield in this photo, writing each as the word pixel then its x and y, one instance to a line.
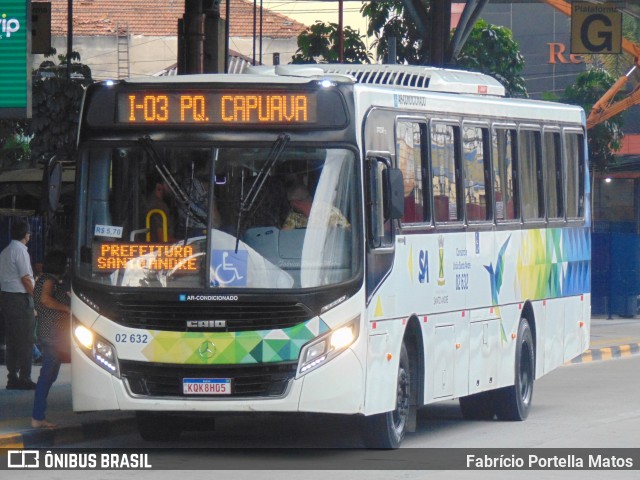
pixel 277 216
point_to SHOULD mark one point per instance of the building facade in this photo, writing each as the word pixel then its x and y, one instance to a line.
pixel 119 38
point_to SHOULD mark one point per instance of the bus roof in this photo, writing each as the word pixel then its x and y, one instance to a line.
pixel 231 78
pixel 411 76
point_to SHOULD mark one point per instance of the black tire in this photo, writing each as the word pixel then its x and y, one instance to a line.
pixel 386 430
pixel 157 427
pixel 479 406
pixel 513 403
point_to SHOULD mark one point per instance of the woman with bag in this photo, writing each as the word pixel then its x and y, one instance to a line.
pixel 52 307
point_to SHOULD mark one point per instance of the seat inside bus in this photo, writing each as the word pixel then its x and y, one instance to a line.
pixel 284 248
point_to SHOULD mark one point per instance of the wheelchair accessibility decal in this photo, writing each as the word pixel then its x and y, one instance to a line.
pixel 229 268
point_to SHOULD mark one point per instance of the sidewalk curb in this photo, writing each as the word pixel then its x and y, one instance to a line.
pixel 607 353
pixel 55 437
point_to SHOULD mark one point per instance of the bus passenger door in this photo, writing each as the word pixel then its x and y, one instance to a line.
pixel 383 205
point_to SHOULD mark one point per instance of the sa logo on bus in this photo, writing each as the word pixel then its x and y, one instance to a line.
pixel 423 266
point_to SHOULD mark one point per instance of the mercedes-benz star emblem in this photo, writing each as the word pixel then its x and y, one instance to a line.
pixel 207 350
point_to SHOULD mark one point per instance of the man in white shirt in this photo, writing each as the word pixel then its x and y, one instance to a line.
pixel 16 285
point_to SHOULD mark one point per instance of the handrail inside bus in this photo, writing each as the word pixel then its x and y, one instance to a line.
pixel 163 216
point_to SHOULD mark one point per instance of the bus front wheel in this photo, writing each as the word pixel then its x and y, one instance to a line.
pixel 386 430
pixel 156 427
pixel 514 402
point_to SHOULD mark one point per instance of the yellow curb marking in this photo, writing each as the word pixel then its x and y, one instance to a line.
pixel 11 440
pixel 607 353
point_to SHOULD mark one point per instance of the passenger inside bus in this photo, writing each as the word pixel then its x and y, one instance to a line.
pixel 193 222
pixel 301 202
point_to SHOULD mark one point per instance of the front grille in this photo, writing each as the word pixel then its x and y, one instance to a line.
pixel 165 380
pixel 173 316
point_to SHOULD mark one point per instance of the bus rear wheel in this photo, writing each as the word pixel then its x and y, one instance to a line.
pixel 157 427
pixel 514 402
pixel 386 430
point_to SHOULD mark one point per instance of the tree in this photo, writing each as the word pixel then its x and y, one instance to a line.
pixel 14 144
pixel 56 112
pixel 79 71
pixel 606 137
pixel 56 108
pixel 389 18
pixel 319 43
pixel 55 115
pixel 490 49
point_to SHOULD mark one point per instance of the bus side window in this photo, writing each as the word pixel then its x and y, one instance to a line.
pixel 505 185
pixel 574 153
pixel 476 160
pixel 446 177
pixel 529 160
pixel 410 151
pixel 553 168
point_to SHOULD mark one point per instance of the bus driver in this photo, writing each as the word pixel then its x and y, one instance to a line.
pixel 301 202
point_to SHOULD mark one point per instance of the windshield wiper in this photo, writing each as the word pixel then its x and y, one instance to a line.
pixel 183 199
pixel 246 203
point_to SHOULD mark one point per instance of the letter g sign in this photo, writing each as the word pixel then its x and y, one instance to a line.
pixel 595 28
pixel 601 27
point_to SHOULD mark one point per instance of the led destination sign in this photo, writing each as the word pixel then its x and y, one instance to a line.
pixel 109 256
pixel 189 107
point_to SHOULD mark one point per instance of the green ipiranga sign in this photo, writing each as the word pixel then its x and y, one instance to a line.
pixel 14 74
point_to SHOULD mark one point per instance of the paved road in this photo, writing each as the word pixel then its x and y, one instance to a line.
pixel 591 405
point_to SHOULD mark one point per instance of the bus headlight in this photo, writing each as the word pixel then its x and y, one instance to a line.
pixel 322 349
pixel 97 349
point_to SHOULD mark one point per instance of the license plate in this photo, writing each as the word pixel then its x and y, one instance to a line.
pixel 206 386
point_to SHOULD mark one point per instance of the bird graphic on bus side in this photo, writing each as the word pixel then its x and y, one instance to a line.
pixel 495 277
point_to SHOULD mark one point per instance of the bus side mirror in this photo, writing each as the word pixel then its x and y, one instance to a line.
pixel 53 184
pixel 385 199
pixel 395 193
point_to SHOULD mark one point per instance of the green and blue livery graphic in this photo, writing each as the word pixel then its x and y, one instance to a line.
pixel 550 263
pixel 231 348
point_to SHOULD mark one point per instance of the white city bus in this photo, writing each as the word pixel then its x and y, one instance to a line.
pixel 444 253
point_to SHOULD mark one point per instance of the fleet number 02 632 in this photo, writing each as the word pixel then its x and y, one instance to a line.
pixel 462 281
pixel 132 338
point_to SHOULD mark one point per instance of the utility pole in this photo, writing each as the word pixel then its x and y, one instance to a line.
pixel 214 38
pixel 201 38
pixel 192 33
pixel 436 28
pixel 439 31
pixel 69 36
pixel 340 31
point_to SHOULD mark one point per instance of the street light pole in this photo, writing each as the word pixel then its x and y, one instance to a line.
pixel 341 31
pixel 69 36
